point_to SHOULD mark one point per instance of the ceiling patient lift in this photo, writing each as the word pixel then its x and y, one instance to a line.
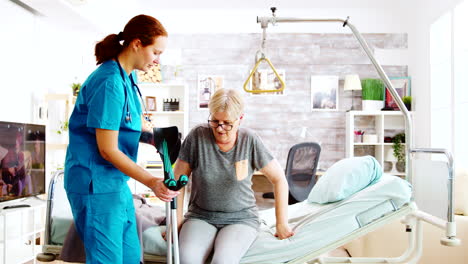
pixel 414 218
pixel 259 58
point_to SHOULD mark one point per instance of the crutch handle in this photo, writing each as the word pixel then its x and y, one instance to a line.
pixel 174 185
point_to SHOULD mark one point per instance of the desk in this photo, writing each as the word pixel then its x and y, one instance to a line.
pixel 19 229
pixel 261 184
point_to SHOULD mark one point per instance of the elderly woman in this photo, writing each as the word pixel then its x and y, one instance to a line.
pixel 221 157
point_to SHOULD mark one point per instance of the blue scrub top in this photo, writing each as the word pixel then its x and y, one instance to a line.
pixel 103 102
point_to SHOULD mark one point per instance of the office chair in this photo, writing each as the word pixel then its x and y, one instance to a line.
pixel 301 167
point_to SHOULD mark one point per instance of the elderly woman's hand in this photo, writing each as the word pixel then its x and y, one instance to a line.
pixel 161 191
pixel 283 231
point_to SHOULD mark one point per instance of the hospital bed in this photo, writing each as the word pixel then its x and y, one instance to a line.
pixel 319 228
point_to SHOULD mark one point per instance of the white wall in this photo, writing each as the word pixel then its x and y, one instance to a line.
pixel 17 67
pixel 38 57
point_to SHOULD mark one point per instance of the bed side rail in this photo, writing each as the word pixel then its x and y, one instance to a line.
pixel 450 226
pixel 58 175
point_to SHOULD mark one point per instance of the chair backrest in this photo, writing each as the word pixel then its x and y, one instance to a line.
pixel 301 167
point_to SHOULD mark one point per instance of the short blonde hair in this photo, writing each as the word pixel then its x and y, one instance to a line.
pixel 227 100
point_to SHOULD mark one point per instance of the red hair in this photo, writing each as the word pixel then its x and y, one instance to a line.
pixel 142 27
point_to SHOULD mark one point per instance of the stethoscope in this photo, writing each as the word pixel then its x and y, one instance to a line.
pixel 128 116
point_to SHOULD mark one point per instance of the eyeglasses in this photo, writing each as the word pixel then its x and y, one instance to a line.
pixel 215 124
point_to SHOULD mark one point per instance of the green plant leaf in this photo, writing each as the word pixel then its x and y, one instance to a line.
pixel 372 89
pixel 398 149
pixel 407 99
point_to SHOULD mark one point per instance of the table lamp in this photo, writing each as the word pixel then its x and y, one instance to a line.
pixel 352 83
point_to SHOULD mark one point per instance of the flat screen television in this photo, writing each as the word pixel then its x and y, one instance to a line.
pixel 22 160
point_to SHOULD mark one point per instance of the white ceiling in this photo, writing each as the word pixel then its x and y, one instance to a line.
pixel 198 15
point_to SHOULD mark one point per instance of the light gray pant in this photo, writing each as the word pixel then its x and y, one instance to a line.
pixel 230 242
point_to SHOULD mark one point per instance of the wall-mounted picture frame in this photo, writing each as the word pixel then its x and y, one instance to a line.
pixel 207 86
pixel 150 103
pixel 266 79
pixel 403 87
pixel 324 92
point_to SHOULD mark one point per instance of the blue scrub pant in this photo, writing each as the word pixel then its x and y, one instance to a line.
pixel 107 226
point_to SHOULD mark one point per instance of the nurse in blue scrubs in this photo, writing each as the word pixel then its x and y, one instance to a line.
pixel 104 130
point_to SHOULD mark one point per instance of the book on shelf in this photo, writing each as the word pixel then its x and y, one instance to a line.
pixel 154 164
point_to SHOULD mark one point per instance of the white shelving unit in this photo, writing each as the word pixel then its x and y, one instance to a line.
pixel 20 228
pixel 380 123
pixel 168 118
pixel 56 141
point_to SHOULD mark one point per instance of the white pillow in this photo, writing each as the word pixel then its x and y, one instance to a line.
pixel 460 194
pixel 345 178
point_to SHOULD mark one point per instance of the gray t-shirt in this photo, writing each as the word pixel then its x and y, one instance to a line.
pixel 222 181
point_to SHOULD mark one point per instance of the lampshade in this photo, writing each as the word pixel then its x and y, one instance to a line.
pixel 352 82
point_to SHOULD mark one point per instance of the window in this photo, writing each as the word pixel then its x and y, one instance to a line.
pixel 460 23
pixel 449 82
pixel 441 82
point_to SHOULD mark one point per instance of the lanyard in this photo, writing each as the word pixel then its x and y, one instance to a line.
pixel 128 116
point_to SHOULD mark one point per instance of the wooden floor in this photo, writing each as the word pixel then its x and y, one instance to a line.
pixel 260 185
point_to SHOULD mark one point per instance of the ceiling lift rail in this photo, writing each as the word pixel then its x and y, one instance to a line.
pixel 259 57
pixel 450 227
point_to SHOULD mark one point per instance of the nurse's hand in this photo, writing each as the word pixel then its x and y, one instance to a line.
pixel 161 191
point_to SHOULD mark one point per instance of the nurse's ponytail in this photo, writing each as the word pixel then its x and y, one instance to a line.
pixel 142 27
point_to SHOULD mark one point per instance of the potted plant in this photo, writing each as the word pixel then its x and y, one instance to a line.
pixel 63 128
pixel 399 151
pixel 407 101
pixel 372 94
pixel 76 88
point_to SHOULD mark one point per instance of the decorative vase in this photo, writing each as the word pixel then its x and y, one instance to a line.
pixel 388 166
pixel 408 106
pixel 400 166
pixel 372 105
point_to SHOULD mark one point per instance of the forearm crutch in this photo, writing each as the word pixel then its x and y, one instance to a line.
pixel 167 142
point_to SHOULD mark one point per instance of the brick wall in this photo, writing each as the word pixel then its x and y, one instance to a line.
pixel 279 120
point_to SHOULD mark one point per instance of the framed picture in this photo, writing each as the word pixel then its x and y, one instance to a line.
pixel 153 75
pixel 151 103
pixel 324 92
pixel 403 87
pixel 207 86
pixel 266 79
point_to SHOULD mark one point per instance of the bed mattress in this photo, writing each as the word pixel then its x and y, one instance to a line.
pixel 319 225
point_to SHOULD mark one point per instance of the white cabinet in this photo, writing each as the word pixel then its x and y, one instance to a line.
pixel 20 228
pixel 161 117
pixel 378 128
